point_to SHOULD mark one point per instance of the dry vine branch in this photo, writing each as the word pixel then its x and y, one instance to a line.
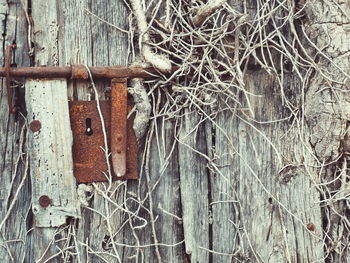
pixel 219 44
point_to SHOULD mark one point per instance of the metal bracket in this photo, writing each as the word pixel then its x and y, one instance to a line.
pixel 89 156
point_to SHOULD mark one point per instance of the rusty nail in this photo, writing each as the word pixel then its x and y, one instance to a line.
pixel 35 126
pixel 119 150
pixel 119 138
pixel 45 201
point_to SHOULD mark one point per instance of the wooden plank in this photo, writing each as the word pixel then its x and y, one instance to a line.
pixel 194 188
pixel 223 188
pixel 99 44
pixel 164 172
pixel 158 188
pixel 15 198
pixel 50 150
pixel 271 207
pixel 79 43
pixel 327 111
pixel 164 187
pixel 51 156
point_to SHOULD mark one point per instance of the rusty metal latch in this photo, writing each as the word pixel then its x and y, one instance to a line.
pixel 88 142
pixel 89 158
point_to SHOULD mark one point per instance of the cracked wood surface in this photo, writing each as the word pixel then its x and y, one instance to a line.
pixel 327 111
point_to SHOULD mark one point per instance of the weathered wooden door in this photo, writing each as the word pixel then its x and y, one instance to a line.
pixel 245 157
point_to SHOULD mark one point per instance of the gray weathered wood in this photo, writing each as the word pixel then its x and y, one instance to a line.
pixel 50 148
pixel 50 151
pixel 51 159
pixel 194 188
pixel 94 44
pixel 223 187
pixel 275 192
pixel 252 208
pixel 327 116
pixel 15 197
pixel 97 43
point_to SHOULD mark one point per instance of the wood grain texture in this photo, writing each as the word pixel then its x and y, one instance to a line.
pixel 194 188
pixel 51 163
pixel 258 209
pixel 277 197
pixel 327 110
pixel 249 209
pixel 223 187
pixel 94 44
pixel 15 196
pixel 50 148
pixel 97 43
pixel 50 151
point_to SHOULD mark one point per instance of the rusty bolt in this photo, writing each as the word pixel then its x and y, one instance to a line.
pixel 35 126
pixel 45 201
pixel 119 138
pixel 311 227
pixel 119 150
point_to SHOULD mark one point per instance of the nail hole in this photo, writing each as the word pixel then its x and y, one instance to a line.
pixel 88 124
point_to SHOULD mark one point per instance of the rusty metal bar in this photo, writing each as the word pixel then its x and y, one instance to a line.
pixel 119 108
pixel 71 72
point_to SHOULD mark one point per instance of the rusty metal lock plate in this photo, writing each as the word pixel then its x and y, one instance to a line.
pixel 88 142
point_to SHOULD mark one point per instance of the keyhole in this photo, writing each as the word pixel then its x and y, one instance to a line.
pixel 88 124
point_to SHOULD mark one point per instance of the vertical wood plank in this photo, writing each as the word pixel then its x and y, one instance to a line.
pixel 15 197
pixel 272 206
pixel 51 159
pixel 194 188
pixel 327 114
pixel 223 187
pixel 51 156
pixel 50 151
pixel 164 172
pixel 95 44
